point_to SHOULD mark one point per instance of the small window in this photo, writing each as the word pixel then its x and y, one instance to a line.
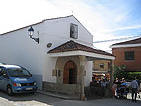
pixel 73 31
pixel 129 55
pixel 101 65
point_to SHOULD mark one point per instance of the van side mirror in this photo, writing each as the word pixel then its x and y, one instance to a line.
pixel 5 76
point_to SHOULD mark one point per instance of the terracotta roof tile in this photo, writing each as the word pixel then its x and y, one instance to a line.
pixel 135 41
pixel 73 46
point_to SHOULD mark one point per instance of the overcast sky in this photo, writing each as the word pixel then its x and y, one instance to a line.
pixel 105 19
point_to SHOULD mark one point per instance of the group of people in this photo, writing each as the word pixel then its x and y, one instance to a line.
pixel 103 82
pixel 123 87
pixel 98 86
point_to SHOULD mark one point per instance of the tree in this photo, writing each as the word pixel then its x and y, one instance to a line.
pixel 119 72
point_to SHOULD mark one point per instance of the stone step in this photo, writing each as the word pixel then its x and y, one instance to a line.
pixel 57 95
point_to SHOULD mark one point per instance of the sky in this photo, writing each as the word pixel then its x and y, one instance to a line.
pixel 105 19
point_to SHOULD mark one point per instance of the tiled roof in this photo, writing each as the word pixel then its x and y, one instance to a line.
pixel 135 41
pixel 74 46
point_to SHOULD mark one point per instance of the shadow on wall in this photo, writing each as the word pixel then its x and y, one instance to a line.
pixel 38 79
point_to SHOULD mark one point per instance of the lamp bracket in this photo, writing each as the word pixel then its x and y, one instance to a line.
pixel 36 39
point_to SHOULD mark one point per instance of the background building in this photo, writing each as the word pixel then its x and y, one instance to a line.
pixel 129 54
pixel 101 69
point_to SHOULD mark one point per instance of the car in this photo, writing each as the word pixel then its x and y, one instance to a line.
pixel 16 79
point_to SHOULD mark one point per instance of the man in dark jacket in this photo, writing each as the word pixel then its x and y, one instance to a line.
pixel 134 87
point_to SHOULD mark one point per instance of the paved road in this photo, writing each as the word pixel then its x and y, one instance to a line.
pixel 43 100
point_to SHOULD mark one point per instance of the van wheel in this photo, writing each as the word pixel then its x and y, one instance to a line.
pixel 9 91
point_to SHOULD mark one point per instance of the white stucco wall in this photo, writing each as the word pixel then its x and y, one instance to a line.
pixel 18 48
pixel 58 32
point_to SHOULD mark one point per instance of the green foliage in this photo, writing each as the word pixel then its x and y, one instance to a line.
pixel 119 72
pixel 132 75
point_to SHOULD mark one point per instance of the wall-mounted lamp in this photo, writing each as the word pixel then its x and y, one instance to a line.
pixel 31 32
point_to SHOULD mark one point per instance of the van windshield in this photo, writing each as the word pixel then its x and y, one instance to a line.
pixel 18 72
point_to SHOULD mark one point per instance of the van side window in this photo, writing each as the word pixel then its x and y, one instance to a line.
pixel 1 69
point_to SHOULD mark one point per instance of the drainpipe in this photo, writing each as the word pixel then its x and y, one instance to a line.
pixel 82 66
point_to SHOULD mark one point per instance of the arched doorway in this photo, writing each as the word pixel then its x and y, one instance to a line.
pixel 70 73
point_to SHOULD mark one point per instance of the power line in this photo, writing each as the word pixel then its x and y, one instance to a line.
pixel 110 40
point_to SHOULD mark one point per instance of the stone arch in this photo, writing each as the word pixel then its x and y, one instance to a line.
pixel 70 73
pixel 60 63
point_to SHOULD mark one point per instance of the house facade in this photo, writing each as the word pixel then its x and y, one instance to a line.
pixel 101 69
pixel 128 54
pixel 62 61
pixel 101 65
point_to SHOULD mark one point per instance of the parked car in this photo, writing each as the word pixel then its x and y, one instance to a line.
pixel 16 79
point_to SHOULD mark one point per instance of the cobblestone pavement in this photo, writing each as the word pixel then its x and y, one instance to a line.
pixel 43 100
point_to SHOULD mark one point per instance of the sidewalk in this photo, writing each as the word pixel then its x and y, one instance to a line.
pixel 57 95
pixel 5 102
pixel 138 96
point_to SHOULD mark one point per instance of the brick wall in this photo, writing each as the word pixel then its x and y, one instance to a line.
pixel 132 65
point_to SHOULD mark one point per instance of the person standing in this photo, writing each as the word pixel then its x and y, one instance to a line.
pixel 134 87
pixel 103 85
pixel 114 87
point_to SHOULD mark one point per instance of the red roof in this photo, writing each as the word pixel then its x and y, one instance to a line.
pixel 135 41
pixel 73 46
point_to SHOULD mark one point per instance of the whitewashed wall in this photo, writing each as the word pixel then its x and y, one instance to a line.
pixel 18 48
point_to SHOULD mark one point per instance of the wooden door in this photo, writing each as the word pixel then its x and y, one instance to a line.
pixel 69 66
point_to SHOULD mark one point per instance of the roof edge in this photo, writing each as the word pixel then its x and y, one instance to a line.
pixel 128 42
pixel 21 28
pixel 34 24
pixel 83 25
pixel 79 49
pixel 126 45
pixel 57 18
pixel 84 53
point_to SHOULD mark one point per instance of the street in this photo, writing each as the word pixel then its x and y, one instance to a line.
pixel 43 100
